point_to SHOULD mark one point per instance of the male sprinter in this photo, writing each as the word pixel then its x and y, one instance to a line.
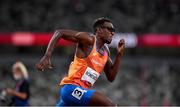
pixel 91 58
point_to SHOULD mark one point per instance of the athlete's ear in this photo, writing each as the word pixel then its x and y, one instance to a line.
pixel 99 30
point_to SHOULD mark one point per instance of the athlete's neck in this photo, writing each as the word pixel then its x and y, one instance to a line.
pixel 99 42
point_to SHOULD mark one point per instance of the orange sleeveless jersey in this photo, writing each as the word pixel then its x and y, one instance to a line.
pixel 85 71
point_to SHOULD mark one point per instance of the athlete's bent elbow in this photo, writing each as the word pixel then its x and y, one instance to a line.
pixel 57 33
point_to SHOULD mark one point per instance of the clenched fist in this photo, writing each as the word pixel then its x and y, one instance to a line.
pixel 120 47
pixel 45 62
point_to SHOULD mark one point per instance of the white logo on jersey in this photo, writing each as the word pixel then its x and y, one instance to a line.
pixel 96 62
pixel 90 76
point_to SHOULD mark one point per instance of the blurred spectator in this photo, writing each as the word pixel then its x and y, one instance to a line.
pixel 21 93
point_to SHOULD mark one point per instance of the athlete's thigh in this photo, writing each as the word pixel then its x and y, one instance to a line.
pixel 99 99
pixel 73 95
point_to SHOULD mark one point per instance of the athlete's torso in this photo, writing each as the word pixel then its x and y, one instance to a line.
pixel 85 71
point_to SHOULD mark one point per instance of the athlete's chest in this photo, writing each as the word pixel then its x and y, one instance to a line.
pixel 85 51
pixel 97 59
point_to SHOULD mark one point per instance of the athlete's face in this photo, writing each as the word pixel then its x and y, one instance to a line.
pixel 106 32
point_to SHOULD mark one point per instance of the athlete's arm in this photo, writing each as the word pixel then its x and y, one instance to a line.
pixel 111 69
pixel 70 35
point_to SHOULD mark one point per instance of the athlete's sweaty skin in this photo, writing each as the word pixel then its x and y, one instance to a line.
pixel 84 47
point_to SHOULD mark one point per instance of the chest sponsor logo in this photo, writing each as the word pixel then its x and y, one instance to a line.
pixel 90 76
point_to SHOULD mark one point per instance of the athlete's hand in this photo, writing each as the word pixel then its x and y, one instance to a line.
pixel 45 62
pixel 120 47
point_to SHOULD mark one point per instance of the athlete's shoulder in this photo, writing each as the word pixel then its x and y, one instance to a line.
pixel 82 33
pixel 87 37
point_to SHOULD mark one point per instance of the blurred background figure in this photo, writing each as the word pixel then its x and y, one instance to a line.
pixel 21 93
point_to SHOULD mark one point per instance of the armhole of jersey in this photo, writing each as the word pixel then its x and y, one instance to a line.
pixel 94 44
pixel 75 50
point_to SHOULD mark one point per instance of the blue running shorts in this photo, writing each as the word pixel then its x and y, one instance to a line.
pixel 72 95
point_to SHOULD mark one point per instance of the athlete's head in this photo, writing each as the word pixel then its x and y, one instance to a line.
pixel 104 28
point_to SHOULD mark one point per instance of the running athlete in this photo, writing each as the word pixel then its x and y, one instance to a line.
pixel 91 58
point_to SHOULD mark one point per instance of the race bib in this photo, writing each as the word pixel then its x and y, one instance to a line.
pixel 78 93
pixel 90 76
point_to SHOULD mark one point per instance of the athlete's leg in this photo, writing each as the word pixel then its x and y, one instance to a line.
pixel 72 95
pixel 99 99
pixel 78 96
pixel 60 103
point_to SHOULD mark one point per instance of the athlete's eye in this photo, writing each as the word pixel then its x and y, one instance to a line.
pixel 111 29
